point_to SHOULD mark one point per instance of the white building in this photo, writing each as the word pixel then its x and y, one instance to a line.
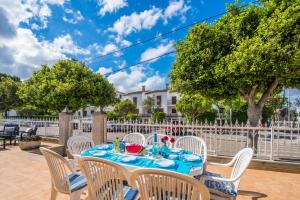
pixel 164 99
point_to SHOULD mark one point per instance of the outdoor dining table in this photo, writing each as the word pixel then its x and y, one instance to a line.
pixel 181 165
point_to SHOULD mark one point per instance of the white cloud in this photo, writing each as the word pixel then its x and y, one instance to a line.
pixel 65 44
pixel 24 54
pixel 102 50
pixel 175 8
pixel 104 70
pixel 136 21
pixel 109 6
pixel 73 17
pixel 134 79
pixel 108 49
pixel 43 13
pixel 154 52
pixel 55 2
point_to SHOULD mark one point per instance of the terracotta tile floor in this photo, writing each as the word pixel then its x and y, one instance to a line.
pixel 25 176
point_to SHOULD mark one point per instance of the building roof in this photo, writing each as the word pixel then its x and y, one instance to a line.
pixel 154 91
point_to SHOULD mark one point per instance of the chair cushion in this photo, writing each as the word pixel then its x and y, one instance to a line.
pixel 77 181
pixel 129 193
pixel 219 186
pixel 9 130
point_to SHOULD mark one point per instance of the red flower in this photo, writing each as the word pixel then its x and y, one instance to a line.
pixel 166 138
pixel 172 140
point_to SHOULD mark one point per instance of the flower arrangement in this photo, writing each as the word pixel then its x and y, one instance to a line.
pixel 166 138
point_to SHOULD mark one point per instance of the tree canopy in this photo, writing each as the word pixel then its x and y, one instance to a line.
pixel 68 83
pixel 191 106
pixel 124 109
pixel 250 52
pixel 149 105
pixel 8 92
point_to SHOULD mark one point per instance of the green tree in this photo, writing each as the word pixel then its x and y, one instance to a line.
pixel 68 83
pixel 191 106
pixel 124 109
pixel 8 92
pixel 149 105
pixel 250 52
pixel 158 116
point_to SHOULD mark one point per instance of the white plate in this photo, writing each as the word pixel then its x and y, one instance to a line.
pixel 176 150
pixel 191 157
pixel 103 147
pixel 165 163
pixel 100 153
pixel 173 156
pixel 128 159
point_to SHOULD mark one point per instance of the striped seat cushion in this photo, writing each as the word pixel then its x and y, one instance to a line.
pixel 129 193
pixel 218 187
pixel 77 181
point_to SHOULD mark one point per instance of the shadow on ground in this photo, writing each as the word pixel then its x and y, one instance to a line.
pixel 253 195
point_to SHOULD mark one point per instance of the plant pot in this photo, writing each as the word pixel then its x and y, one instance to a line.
pixel 29 145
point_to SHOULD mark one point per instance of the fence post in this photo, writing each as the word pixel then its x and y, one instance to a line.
pixel 272 142
pixel 99 134
pixel 65 129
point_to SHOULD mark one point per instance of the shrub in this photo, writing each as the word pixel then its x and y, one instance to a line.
pixel 32 138
pixel 158 116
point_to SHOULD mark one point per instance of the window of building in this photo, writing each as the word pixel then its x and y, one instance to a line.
pixel 84 113
pixel 92 111
pixel 174 100
pixel 174 111
pixel 158 101
pixel 134 99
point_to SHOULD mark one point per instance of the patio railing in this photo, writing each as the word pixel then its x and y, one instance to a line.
pixel 273 142
pixel 47 126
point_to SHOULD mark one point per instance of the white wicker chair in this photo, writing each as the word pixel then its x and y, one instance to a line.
pixel 79 143
pixel 240 163
pixel 63 177
pixel 149 139
pixel 193 144
pixel 135 138
pixel 105 180
pixel 162 184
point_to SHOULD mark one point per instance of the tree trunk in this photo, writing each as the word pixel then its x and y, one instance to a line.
pixel 254 113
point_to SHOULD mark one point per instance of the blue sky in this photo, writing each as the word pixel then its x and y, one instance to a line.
pixel 40 32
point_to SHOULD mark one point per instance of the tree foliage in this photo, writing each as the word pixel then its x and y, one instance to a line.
pixel 68 83
pixel 149 105
pixel 158 116
pixel 8 92
pixel 250 52
pixel 124 109
pixel 191 106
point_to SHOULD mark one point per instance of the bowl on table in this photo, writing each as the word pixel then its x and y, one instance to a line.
pixel 135 149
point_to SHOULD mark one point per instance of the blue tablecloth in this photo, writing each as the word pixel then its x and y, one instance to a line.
pixel 181 165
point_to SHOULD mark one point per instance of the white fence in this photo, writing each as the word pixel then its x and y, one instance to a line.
pixel 47 126
pixel 273 143
pixel 82 126
pixel 276 141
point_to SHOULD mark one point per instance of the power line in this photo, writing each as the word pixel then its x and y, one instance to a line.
pixel 141 62
pixel 163 34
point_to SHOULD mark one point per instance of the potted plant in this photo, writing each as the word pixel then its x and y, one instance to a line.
pixel 30 142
